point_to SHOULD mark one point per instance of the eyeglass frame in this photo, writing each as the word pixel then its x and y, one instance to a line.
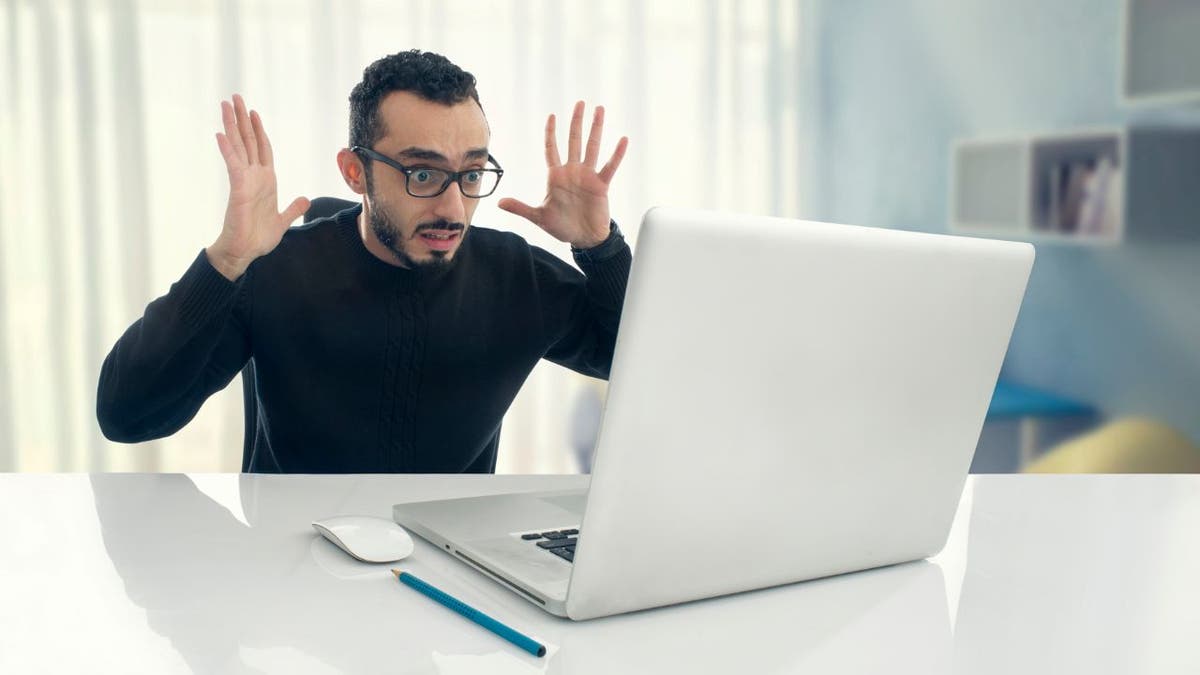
pixel 453 176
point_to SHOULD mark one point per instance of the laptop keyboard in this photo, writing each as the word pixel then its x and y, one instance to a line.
pixel 559 542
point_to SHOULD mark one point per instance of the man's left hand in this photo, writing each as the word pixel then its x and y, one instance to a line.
pixel 576 206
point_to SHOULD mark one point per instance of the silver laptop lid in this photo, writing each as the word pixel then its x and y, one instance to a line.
pixel 789 400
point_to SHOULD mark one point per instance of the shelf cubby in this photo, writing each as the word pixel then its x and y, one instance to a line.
pixel 1160 52
pixel 1092 186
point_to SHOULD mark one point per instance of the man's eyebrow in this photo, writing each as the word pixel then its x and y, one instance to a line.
pixel 423 153
pixel 435 156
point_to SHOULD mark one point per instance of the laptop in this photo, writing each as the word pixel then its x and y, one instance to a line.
pixel 788 400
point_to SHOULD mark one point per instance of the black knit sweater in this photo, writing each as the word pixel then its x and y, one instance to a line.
pixel 363 367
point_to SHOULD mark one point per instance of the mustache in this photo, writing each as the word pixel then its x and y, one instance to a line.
pixel 443 224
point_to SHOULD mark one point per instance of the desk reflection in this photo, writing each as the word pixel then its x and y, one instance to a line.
pixel 225 592
pixel 1069 575
pixel 887 620
pixel 219 589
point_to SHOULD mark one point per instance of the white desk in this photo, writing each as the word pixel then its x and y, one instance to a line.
pixel 142 573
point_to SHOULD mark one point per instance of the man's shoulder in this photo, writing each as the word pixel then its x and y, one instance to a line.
pixel 507 242
pixel 306 249
pixel 490 237
pixel 319 230
pixel 507 253
pixel 499 247
pixel 319 237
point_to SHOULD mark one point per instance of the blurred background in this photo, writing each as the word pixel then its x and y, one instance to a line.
pixel 1069 123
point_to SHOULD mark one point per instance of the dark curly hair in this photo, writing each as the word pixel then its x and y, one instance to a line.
pixel 431 76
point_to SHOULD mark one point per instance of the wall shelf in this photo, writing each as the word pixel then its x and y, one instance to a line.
pixel 1160 52
pixel 1095 186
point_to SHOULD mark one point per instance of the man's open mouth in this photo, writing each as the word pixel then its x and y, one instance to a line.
pixel 440 240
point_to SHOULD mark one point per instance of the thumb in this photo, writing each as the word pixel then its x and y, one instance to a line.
pixel 295 210
pixel 520 208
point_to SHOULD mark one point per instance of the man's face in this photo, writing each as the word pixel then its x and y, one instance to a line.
pixel 424 232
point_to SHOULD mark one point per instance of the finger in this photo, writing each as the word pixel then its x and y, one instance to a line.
pixel 296 209
pixel 575 138
pixel 606 174
pixel 552 158
pixel 520 208
pixel 247 131
pixel 592 155
pixel 228 153
pixel 229 120
pixel 264 144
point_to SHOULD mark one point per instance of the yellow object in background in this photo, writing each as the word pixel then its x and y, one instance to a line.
pixel 1127 445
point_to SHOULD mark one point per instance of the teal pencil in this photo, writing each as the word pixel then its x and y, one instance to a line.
pixel 524 642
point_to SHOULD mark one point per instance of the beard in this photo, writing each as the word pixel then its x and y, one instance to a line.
pixel 388 233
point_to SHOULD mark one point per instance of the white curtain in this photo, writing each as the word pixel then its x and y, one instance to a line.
pixel 111 182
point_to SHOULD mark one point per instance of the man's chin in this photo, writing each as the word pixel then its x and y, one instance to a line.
pixel 438 257
pixel 434 261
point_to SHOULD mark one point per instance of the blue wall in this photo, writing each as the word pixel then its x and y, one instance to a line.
pixel 897 80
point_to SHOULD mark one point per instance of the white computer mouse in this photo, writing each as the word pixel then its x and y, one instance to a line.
pixel 370 539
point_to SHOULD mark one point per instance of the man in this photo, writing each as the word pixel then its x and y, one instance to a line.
pixel 393 336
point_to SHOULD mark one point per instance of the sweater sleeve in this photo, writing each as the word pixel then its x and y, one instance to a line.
pixel 189 344
pixel 583 311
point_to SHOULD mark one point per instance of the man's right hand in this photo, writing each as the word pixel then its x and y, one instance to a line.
pixel 253 224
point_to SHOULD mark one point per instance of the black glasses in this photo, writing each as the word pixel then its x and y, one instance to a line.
pixel 425 181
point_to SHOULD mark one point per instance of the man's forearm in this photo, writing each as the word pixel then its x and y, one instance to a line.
pixel 161 369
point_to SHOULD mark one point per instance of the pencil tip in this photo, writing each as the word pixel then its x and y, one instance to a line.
pixel 397 573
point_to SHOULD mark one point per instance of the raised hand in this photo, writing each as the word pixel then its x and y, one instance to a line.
pixel 576 206
pixel 253 224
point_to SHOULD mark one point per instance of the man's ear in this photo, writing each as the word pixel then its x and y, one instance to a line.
pixel 352 170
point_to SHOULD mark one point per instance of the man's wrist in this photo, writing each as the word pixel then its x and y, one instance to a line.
pixel 230 267
pixel 592 241
pixel 602 249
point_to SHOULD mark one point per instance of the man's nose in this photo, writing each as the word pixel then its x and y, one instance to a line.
pixel 450 204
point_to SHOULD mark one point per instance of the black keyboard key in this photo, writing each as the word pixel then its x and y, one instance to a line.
pixel 554 535
pixel 566 553
pixel 556 543
pixel 570 531
pixel 531 537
